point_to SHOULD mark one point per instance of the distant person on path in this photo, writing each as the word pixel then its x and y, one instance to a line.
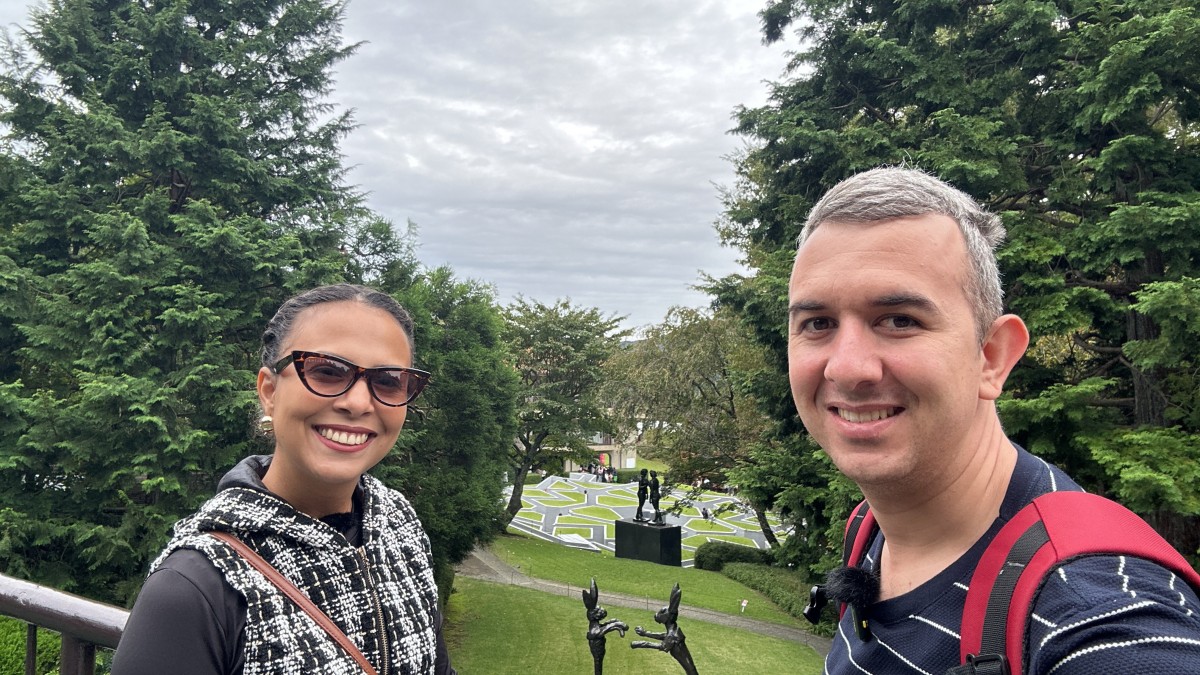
pixel 334 386
pixel 643 492
pixel 897 351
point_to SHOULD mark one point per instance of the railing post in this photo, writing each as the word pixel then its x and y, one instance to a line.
pixel 78 657
pixel 30 649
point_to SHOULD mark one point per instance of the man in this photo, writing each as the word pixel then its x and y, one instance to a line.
pixel 897 351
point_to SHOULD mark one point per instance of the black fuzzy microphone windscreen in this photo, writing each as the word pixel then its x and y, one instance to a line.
pixel 853 586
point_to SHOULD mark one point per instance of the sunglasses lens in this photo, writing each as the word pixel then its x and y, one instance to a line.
pixel 327 377
pixel 392 386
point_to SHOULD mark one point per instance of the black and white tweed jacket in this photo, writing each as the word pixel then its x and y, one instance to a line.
pixel 381 595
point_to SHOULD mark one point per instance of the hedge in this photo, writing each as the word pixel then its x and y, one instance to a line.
pixel 714 554
pixel 786 588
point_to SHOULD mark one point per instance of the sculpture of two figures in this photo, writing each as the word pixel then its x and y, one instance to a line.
pixel 671 639
pixel 643 492
pixel 649 487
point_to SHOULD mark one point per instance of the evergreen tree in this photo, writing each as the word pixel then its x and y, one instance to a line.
pixel 451 457
pixel 1076 121
pixel 170 174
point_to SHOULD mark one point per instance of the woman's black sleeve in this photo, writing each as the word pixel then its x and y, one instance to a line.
pixel 187 621
pixel 442 664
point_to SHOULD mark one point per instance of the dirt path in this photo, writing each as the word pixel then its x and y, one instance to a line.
pixel 485 565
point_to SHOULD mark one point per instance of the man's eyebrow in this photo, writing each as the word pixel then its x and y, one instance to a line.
pixel 891 300
pixel 805 306
pixel 907 300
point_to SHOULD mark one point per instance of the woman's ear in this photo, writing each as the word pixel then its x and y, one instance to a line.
pixel 1004 346
pixel 266 390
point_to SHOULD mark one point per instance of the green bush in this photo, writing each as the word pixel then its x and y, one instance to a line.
pixel 12 648
pixel 714 554
pixel 786 588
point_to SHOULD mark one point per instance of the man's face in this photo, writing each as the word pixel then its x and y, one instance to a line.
pixel 883 358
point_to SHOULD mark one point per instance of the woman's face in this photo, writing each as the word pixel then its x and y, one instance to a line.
pixel 323 445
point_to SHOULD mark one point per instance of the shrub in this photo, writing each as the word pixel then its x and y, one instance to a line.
pixel 714 554
pixel 786 588
pixel 12 647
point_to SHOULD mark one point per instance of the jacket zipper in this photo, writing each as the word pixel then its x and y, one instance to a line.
pixel 380 627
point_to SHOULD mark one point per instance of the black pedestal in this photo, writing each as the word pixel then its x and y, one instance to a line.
pixel 660 544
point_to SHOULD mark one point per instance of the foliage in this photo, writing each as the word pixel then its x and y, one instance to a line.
pixel 484 618
pixel 714 555
pixel 1074 120
pixel 12 648
pixel 160 192
pixel 449 462
pixel 169 174
pixel 680 392
pixel 651 581
pixel 558 351
pixel 787 588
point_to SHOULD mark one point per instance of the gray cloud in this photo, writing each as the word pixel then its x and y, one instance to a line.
pixel 553 148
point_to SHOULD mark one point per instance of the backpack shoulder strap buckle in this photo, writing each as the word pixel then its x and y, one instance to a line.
pixel 982 664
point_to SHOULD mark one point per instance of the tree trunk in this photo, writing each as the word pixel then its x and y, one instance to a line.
pixel 766 528
pixel 1149 405
pixel 514 503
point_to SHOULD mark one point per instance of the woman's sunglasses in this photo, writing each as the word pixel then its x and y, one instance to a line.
pixel 330 376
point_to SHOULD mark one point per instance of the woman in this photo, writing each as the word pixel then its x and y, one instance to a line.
pixel 334 387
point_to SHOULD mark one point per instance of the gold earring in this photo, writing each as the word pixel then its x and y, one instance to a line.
pixel 266 424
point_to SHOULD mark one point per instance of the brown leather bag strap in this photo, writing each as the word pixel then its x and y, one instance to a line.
pixel 297 596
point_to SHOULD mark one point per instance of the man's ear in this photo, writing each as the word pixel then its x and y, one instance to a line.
pixel 1004 346
pixel 266 390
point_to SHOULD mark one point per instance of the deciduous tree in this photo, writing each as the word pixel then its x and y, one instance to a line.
pixel 683 386
pixel 558 351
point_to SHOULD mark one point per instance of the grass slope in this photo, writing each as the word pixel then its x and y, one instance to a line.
pixel 500 630
pixel 701 588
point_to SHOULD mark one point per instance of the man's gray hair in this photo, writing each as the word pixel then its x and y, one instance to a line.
pixel 889 193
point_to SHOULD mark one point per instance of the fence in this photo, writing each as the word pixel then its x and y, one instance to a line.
pixel 84 624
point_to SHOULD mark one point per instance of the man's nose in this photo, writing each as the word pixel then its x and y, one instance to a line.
pixel 853 358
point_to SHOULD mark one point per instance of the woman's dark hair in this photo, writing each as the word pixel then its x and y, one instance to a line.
pixel 280 325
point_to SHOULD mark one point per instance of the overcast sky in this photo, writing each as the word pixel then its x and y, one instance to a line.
pixel 553 148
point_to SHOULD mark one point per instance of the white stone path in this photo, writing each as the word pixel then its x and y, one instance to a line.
pixel 569 512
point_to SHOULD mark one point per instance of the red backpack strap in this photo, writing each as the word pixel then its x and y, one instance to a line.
pixel 860 529
pixel 1049 531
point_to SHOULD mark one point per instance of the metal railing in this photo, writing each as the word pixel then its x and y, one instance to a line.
pixel 84 624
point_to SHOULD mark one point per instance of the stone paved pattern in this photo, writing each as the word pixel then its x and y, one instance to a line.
pixel 485 565
pixel 555 513
pixel 556 498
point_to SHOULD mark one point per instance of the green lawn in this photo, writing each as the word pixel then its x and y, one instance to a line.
pixel 584 532
pixel 697 540
pixel 598 512
pixel 651 465
pixel 494 629
pixel 613 500
pixel 609 527
pixel 532 516
pixel 701 588
pixel 702 525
